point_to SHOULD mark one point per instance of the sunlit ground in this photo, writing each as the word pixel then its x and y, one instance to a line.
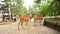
pixel 12 28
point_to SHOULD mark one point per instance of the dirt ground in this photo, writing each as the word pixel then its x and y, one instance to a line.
pixel 12 28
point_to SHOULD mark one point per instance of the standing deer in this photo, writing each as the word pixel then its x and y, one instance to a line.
pixel 23 19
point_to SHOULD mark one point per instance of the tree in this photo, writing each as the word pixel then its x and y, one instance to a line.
pixel 55 6
pixel 18 7
pixel 50 8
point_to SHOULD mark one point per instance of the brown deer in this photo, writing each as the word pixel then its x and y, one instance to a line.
pixel 23 19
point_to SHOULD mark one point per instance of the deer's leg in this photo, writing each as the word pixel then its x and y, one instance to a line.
pixel 26 23
pixel 22 23
pixel 34 22
pixel 18 25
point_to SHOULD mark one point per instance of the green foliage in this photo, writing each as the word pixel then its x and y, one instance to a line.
pixel 43 8
pixel 19 9
pixel 36 11
pixel 50 8
pixel 54 7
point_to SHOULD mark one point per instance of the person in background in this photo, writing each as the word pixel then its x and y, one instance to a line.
pixel 30 15
pixel 14 18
